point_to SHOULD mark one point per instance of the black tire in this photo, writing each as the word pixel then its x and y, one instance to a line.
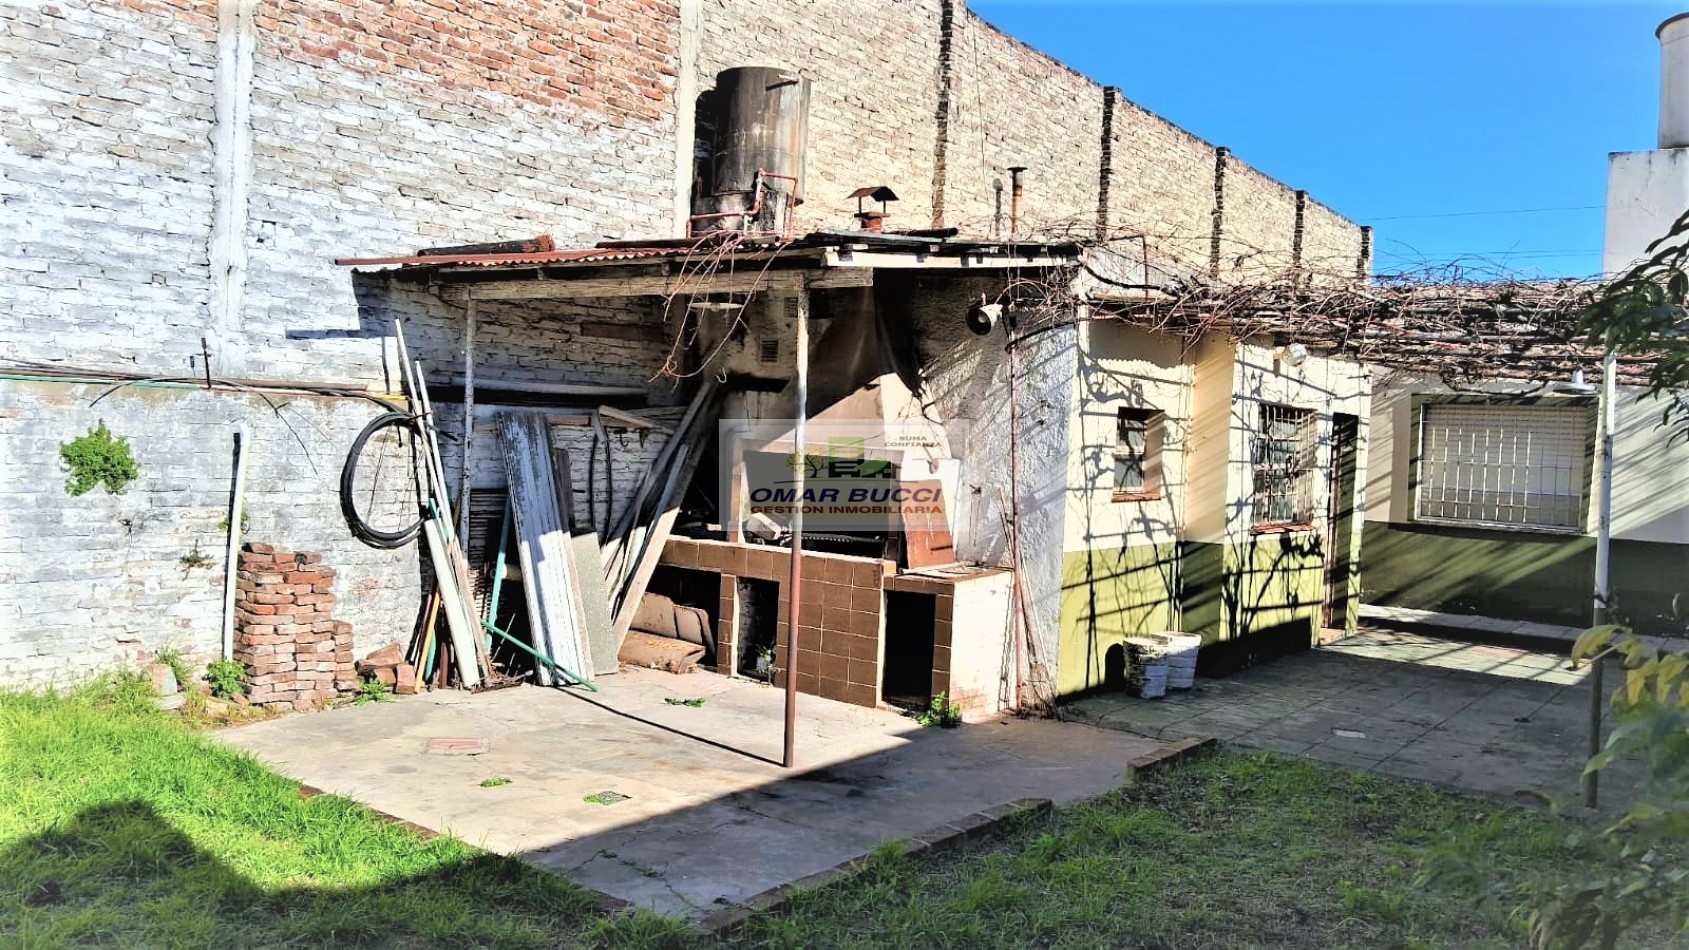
pixel 361 529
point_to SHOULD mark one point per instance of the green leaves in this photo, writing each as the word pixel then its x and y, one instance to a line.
pixel 1642 312
pixel 1643 857
pixel 98 458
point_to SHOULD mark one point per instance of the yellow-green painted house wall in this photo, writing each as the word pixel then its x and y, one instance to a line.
pixel 1188 559
pixel 1108 596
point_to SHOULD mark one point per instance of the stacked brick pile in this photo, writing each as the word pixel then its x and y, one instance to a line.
pixel 296 654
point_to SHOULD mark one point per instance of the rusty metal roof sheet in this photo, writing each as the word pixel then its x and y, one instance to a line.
pixel 688 248
pixel 586 255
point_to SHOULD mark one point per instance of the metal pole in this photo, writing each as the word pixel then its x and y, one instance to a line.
pixel 1603 563
pixel 795 582
pixel 231 558
pixel 1015 190
pixel 468 418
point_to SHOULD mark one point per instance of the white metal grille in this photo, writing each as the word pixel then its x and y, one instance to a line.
pixel 1503 465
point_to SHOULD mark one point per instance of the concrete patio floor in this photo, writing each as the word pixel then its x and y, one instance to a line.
pixel 702 825
pixel 1490 719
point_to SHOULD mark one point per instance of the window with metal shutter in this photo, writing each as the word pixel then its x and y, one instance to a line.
pixel 1503 465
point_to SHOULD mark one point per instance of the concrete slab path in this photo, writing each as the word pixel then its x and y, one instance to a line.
pixel 1489 719
pixel 703 824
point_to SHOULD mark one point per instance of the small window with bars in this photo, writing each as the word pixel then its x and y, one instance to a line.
pixel 1510 466
pixel 1137 454
pixel 1283 466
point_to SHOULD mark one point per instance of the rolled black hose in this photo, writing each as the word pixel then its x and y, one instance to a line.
pixel 361 529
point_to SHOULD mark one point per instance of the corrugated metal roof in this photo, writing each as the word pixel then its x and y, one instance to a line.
pixel 585 255
pixel 704 245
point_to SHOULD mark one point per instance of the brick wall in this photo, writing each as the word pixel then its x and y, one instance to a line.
pixel 1012 105
pixel 374 127
pixel 1161 186
pixel 1258 224
pixel 106 179
pixel 381 127
pixel 932 100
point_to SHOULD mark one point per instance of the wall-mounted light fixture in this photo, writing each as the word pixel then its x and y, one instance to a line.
pixel 1292 355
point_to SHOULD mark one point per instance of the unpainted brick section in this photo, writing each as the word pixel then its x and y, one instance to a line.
pixel 1331 244
pixel 1161 187
pixel 1260 222
pixel 1015 106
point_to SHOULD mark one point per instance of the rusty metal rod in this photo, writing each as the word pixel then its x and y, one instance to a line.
pixel 794 611
pixel 1015 191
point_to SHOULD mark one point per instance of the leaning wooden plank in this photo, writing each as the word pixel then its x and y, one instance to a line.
pixel 464 629
pixel 563 483
pixel 656 539
pixel 657 472
pixel 634 545
pixel 533 245
pixel 595 603
pixel 542 543
pixel 456 559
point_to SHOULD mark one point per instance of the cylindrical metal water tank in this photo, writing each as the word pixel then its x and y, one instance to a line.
pixel 1674 81
pixel 762 126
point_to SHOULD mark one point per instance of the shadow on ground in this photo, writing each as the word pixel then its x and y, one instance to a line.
pixel 1489 719
pixel 615 791
pixel 121 873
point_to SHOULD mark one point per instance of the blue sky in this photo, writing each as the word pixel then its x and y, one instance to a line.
pixel 1392 112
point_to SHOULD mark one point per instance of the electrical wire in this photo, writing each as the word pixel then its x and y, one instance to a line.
pixel 1474 214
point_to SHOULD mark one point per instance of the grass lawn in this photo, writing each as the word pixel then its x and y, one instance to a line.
pixel 1227 851
pixel 121 826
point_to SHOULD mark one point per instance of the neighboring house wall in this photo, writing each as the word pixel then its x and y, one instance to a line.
pixel 1527 575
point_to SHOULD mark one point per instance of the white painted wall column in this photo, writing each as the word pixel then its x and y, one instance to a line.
pixel 236 41
pixel 686 110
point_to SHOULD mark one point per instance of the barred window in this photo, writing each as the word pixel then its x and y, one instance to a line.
pixel 1137 453
pixel 1503 465
pixel 1283 462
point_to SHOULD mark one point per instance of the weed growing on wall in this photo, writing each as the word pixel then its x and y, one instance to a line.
pixel 194 559
pixel 98 458
pixel 172 657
